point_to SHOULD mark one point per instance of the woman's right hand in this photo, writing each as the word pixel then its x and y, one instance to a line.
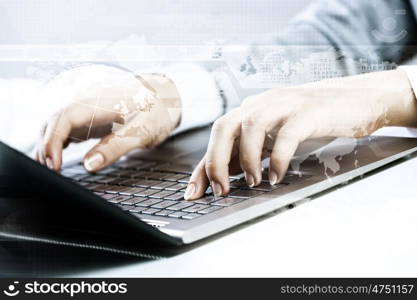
pixel 125 111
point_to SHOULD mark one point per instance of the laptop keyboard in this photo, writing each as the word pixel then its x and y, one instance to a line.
pixel 147 188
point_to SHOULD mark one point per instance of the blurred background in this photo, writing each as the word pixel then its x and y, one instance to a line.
pixel 159 21
pixel 25 24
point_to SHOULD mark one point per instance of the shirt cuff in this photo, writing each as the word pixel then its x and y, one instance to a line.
pixel 411 72
pixel 201 102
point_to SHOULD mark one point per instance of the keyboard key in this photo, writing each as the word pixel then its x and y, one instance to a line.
pixel 195 208
pixel 108 196
pixel 181 205
pixel 145 165
pixel 108 180
pixel 96 187
pixel 68 173
pixel 127 164
pixel 245 193
pixel 207 199
pixel 133 164
pixel 191 216
pixel 114 189
pixel 175 197
pixel 185 179
pixel 177 214
pixel 99 193
pixel 145 183
pixel 78 177
pixel 209 209
pixel 146 192
pixel 73 170
pixel 163 213
pixel 141 174
pixel 133 200
pixel 136 209
pixel 92 186
pixel 267 187
pixel 148 202
pixel 175 177
pixel 175 168
pixel 119 173
pixel 131 208
pixel 128 173
pixel 150 211
pixel 116 181
pixel 125 207
pixel 106 171
pixel 129 182
pixel 239 184
pixel 163 185
pixel 164 204
pixel 157 175
pixel 263 186
pixel 132 191
pixel 228 201
pixel 176 186
pixel 291 177
pixel 118 199
pixel 93 178
pixel 161 194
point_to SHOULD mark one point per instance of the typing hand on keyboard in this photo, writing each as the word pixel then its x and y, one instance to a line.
pixel 124 110
pixel 147 188
pixel 275 122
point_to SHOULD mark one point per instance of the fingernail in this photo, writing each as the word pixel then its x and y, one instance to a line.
pixel 189 192
pixel 273 177
pixel 94 162
pixel 49 163
pixel 217 188
pixel 249 180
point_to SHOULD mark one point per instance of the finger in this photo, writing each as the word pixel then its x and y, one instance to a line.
pixel 198 182
pixel 39 157
pixel 223 134
pixel 55 135
pixel 291 134
pixel 38 147
pixel 252 137
pixel 108 150
pixel 75 118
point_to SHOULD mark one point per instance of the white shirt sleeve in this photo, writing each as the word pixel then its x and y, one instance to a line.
pixel 201 101
pixel 411 72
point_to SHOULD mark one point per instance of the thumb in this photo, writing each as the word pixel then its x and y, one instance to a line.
pixel 108 150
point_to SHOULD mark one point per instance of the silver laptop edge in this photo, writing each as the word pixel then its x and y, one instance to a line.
pixel 371 153
pixel 261 205
pixel 191 231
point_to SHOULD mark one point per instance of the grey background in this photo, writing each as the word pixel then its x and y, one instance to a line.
pixel 160 21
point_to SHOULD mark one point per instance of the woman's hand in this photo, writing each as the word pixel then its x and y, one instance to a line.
pixel 125 111
pixel 274 123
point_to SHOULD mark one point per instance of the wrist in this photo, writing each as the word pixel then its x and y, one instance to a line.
pixel 167 93
pixel 402 102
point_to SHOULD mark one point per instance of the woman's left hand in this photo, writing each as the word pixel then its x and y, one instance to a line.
pixel 274 123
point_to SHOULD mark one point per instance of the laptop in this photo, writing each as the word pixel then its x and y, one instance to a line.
pixel 141 195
